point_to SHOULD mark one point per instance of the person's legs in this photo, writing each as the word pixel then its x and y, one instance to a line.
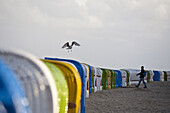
pixel 139 82
pixel 144 83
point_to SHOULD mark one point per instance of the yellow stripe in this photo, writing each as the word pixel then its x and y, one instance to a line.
pixel 73 81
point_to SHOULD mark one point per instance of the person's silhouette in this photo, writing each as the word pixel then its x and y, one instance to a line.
pixel 142 75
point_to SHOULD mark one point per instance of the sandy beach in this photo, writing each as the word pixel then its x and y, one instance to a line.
pixel 154 99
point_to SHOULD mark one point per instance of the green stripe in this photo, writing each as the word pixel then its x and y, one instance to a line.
pixel 61 85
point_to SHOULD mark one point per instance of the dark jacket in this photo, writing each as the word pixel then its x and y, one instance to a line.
pixel 142 74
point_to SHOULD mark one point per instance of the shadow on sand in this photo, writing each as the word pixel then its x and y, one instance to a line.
pixel 142 89
pixel 129 87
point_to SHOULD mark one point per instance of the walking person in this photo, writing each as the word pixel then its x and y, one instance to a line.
pixel 142 75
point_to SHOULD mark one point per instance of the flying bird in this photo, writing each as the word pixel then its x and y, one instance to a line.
pixel 69 47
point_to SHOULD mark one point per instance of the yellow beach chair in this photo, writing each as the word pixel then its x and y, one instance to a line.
pixel 74 84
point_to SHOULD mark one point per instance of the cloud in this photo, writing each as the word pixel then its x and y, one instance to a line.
pixel 162 12
pixel 21 10
pixel 81 2
pixel 120 31
pixel 25 11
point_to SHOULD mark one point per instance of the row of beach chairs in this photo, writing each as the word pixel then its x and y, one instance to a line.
pixel 56 85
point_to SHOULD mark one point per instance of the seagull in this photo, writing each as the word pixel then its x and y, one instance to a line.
pixel 67 46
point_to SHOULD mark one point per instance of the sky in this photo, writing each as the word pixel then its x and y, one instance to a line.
pixel 113 33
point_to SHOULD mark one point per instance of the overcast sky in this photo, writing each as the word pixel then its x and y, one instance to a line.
pixel 112 33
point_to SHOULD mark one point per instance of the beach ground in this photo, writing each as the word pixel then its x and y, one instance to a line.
pixel 154 99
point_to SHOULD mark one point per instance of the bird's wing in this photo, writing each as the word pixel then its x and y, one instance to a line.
pixel 66 45
pixel 75 43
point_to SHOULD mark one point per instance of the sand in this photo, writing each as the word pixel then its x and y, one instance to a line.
pixel 154 99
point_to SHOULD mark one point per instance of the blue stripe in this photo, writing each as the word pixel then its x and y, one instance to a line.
pixel 82 75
